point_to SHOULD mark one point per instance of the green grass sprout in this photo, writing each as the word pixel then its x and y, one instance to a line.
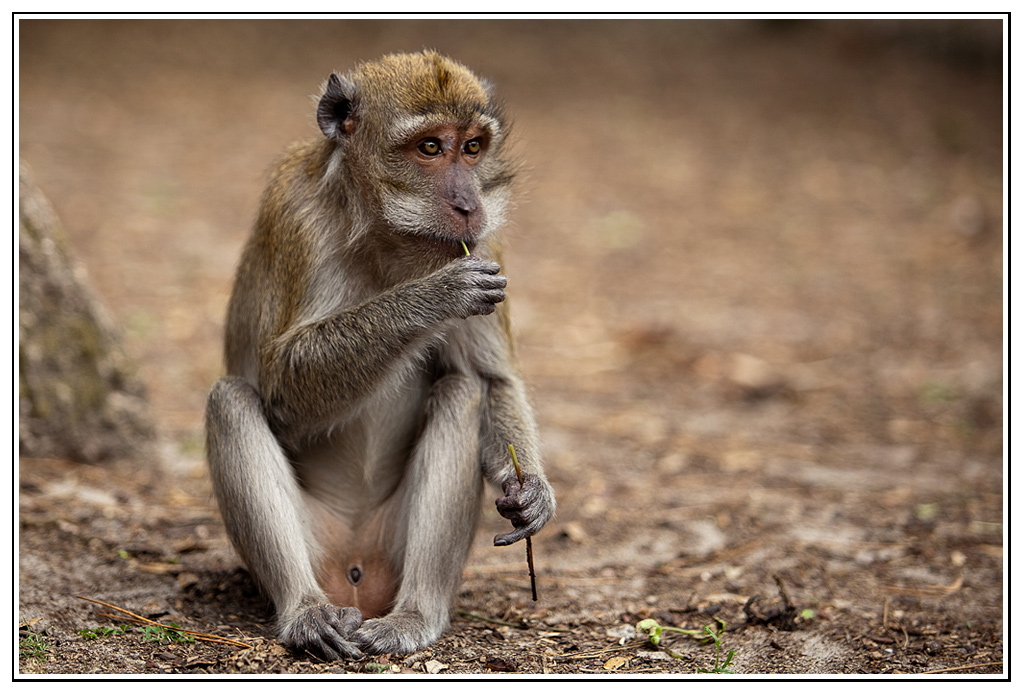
pixel 33 646
pixel 166 635
pixel 653 630
pixel 720 666
pixel 104 632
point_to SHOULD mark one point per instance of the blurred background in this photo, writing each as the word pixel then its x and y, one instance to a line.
pixel 756 267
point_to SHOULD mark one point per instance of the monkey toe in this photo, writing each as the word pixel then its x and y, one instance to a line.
pixel 325 632
pixel 397 633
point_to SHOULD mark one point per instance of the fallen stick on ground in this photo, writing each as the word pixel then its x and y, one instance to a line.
pixel 203 636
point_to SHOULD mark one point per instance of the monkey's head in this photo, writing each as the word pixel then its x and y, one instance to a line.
pixel 420 139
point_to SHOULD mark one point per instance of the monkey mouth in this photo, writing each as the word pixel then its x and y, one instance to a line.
pixel 448 246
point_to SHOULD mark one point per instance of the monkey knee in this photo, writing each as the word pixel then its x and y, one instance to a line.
pixel 228 394
pixel 232 403
pixel 233 389
pixel 453 391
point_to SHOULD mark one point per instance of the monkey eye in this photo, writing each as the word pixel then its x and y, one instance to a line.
pixel 430 147
pixel 472 147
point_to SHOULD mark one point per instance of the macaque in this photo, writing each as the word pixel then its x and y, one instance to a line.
pixel 371 380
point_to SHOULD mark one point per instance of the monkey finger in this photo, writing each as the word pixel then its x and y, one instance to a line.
pixel 516 535
pixel 335 644
pixel 494 296
pixel 491 282
pixel 331 648
pixel 511 508
pixel 516 516
pixel 345 649
pixel 344 620
pixel 516 500
pixel 477 264
pixel 503 539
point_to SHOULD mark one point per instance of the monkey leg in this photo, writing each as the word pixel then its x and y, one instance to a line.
pixel 268 523
pixel 438 509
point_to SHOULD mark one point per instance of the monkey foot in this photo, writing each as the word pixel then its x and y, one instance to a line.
pixel 401 632
pixel 325 632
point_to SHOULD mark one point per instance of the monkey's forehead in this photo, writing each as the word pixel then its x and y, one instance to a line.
pixel 404 127
pixel 422 84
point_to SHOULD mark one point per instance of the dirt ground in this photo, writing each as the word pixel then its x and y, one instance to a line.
pixel 757 274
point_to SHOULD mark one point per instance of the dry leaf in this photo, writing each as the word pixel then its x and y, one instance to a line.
pixel 616 662
pixel 496 663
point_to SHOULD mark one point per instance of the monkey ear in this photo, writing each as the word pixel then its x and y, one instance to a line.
pixel 334 113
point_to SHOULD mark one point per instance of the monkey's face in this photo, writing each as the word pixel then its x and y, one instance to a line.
pixel 422 141
pixel 437 188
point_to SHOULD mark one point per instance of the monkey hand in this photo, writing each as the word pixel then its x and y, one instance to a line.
pixel 324 631
pixel 471 286
pixel 528 505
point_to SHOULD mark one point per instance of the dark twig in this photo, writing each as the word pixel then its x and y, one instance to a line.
pixel 484 619
pixel 529 543
pixel 960 668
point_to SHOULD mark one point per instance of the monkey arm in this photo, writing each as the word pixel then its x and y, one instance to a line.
pixel 316 373
pixel 529 504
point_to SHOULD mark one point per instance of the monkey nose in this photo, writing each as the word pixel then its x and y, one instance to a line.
pixel 465 216
pixel 463 201
pixel 466 207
